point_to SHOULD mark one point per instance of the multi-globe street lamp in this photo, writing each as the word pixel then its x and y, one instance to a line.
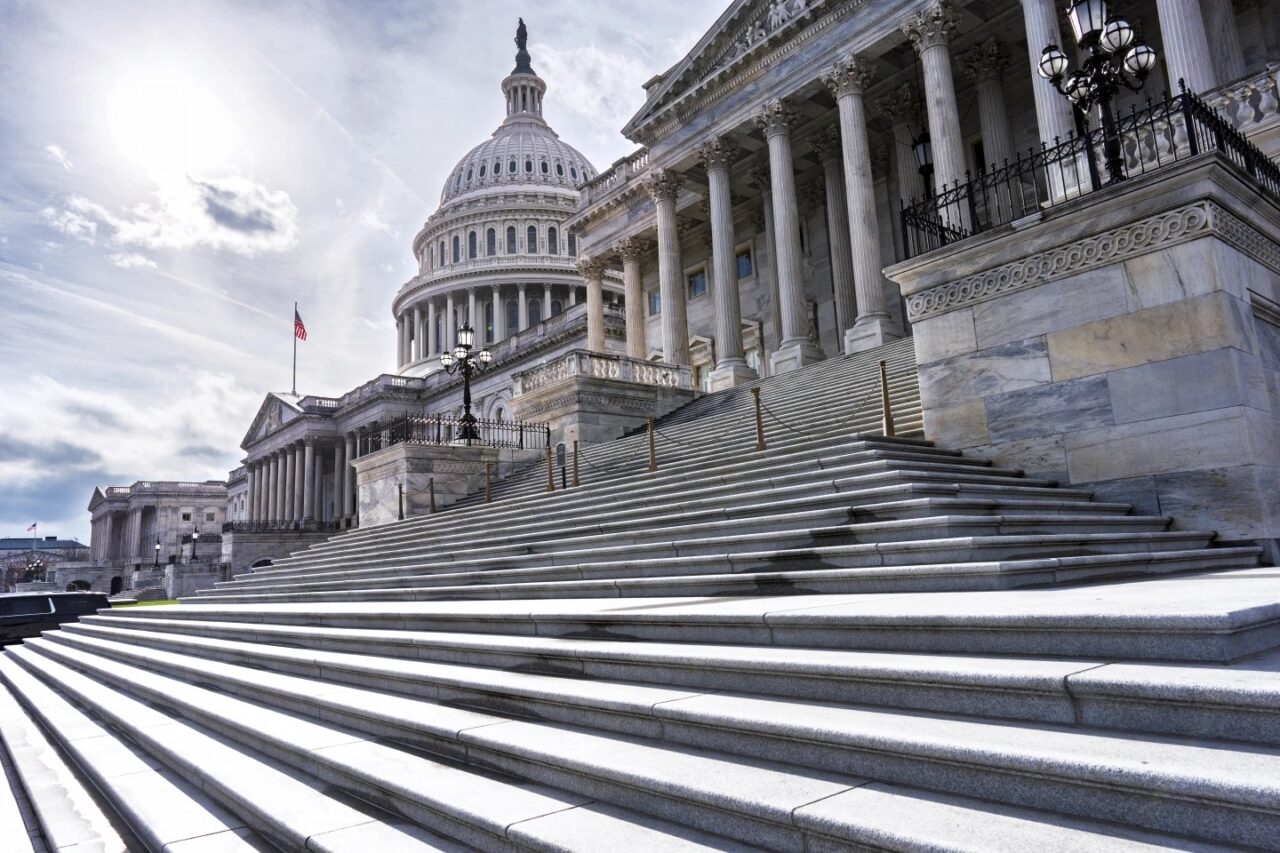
pixel 1116 57
pixel 195 540
pixel 465 360
pixel 156 564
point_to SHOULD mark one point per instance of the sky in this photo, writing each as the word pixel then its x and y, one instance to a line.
pixel 175 174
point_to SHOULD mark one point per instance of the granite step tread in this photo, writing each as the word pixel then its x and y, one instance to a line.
pixel 726 555
pixel 1216 616
pixel 163 810
pixel 1237 702
pixel 480 810
pixel 1183 776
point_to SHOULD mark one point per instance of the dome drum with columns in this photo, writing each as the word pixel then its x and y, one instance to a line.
pixel 496 253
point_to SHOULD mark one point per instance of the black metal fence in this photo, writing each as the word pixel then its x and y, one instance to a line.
pixel 274 527
pixel 1161 133
pixel 448 429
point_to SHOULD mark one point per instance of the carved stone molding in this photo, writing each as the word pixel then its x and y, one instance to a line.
pixel 1137 238
pixel 591 269
pixel 826 144
pixel 715 153
pixel 775 118
pixel 932 27
pixel 663 184
pixel 812 196
pixel 986 60
pixel 759 177
pixel 903 104
pixel 880 161
pixel 632 248
pixel 850 76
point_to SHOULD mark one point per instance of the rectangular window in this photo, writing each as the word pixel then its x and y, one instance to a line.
pixel 186 516
pixel 208 516
pixel 697 284
pixel 745 267
pixel 655 303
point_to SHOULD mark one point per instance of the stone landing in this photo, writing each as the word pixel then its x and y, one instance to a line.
pixel 1129 342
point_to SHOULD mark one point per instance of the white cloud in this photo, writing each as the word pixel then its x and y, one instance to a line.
pixel 59 155
pixel 370 218
pixel 131 260
pixel 71 222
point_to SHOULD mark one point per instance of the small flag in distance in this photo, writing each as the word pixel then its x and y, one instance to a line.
pixel 299 328
pixel 32 528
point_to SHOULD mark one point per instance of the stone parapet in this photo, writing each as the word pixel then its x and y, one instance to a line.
pixel 398 482
pixel 1128 341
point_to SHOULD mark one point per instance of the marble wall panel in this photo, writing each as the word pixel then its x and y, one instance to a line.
pixel 1149 335
pixel 1042 456
pixel 944 336
pixel 996 370
pixel 1058 407
pixel 1092 295
pixel 1197 441
pixel 958 427
pixel 1191 383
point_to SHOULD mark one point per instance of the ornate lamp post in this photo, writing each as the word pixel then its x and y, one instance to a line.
pixel 156 564
pixel 195 540
pixel 1116 57
pixel 464 360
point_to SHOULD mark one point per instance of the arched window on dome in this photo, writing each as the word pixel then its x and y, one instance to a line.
pixel 457 249
pixel 511 240
pixel 553 241
pixel 491 243
pixel 531 240
pixel 535 312
pixel 482 167
pixel 441 253
pixel 573 172
pixel 528 166
pixel 471 246
pixel 559 170
pixel 513 316
pixel 557 307
pixel 546 170
pixel 497 168
pixel 511 166
pixel 469 174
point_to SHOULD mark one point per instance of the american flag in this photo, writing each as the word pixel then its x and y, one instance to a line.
pixel 32 528
pixel 299 328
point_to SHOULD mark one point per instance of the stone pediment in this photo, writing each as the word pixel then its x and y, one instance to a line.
pixel 746 27
pixel 276 411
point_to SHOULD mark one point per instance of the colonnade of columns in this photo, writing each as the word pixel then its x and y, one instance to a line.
pixel 286 486
pixel 419 334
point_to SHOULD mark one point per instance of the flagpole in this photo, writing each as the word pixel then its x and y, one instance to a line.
pixel 294 326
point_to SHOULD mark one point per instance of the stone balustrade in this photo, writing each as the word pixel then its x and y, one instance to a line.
pixel 1252 104
pixel 617 368
pixel 620 174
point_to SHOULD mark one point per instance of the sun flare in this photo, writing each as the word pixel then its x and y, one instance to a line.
pixel 168 124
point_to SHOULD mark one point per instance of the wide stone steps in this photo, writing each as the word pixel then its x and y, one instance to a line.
pixel 1240 702
pixel 756 792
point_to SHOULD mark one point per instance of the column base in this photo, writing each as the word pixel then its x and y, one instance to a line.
pixel 793 355
pixel 869 333
pixel 730 375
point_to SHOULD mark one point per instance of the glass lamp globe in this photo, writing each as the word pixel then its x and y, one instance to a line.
pixel 485 356
pixel 459 352
pixel 1077 87
pixel 466 337
pixel 195 534
pixel 1088 19
pixel 1117 36
pixel 923 149
pixel 446 358
pixel 1053 63
pixel 1140 59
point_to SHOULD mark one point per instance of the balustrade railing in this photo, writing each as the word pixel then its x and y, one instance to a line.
pixel 1154 137
pixel 273 527
pixel 602 366
pixel 617 175
pixel 450 429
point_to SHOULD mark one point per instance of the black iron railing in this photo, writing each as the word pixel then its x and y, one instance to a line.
pixel 1158 135
pixel 447 429
pixel 275 527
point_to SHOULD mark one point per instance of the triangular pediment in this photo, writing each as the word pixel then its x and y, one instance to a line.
pixel 275 412
pixel 745 27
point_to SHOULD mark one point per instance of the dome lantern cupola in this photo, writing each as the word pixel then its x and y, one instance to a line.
pixel 523 88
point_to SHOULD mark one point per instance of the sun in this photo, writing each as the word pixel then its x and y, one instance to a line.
pixel 169 124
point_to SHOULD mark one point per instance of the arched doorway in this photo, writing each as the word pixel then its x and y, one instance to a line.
pixel 117 584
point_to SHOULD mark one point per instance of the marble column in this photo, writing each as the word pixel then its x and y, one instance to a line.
pixel 339 469
pixel 797 349
pixel 1220 27
pixel 830 150
pixel 759 178
pixel 273 488
pixel 522 309
pixel 473 319
pixel 901 109
pixel 317 490
pixel 930 30
pixel 731 366
pixel 349 479
pixel 631 250
pixel 1053 112
pixel 592 272
pixel 663 187
pixel 573 297
pixel 984 65
pixel 499 315
pixel 1186 44
pixel 450 323
pixel 251 477
pixel 433 344
pixel 309 481
pixel 290 492
pixel 419 334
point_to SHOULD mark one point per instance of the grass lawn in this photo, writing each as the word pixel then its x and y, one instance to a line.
pixel 146 603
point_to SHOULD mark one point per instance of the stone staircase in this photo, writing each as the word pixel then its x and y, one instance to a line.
pixel 842 642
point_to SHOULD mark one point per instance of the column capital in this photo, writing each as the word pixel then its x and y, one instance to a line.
pixel 591 268
pixel 775 118
pixel 632 248
pixel 715 153
pixel 986 60
pixel 932 27
pixel 901 105
pixel 759 177
pixel 663 185
pixel 850 76
pixel 826 144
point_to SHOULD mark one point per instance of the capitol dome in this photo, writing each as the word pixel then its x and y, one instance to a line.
pixel 495 252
